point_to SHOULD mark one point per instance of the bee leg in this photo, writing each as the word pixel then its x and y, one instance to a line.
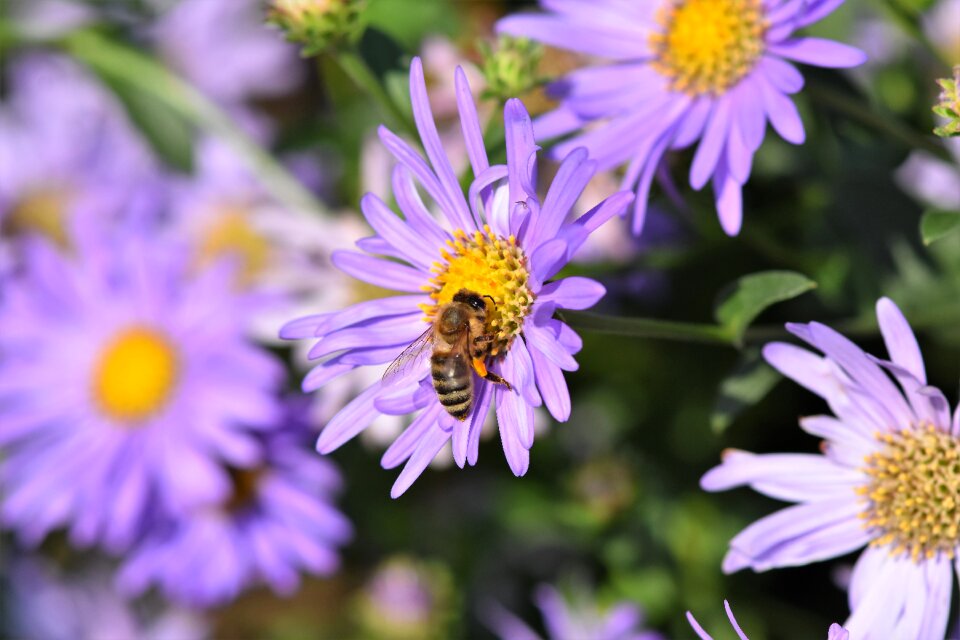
pixel 494 378
pixel 482 371
pixel 480 346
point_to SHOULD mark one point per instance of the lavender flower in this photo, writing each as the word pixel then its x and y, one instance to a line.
pixel 836 632
pixel 45 605
pixel 406 599
pixel 888 478
pixel 125 380
pixel 499 242
pixel 225 50
pixel 685 70
pixel 276 520
pixel 67 151
pixel 572 621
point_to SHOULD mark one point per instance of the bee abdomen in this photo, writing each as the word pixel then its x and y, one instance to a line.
pixel 452 382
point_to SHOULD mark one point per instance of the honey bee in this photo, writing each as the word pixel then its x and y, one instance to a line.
pixel 461 343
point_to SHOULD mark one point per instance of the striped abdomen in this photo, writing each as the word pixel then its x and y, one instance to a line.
pixel 453 382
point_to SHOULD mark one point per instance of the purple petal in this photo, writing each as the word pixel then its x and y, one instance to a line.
pixel 820 52
pixel 801 534
pixel 605 41
pixel 423 116
pixel 395 231
pixel 382 273
pixel 520 147
pixel 410 203
pixel 576 233
pixel 574 292
pixel 547 259
pixel 899 339
pixel 553 388
pixel 349 421
pixel 729 197
pixel 543 340
pixel 710 148
pixel 782 113
pixel 430 445
pixel 571 179
pixel 406 443
pixel 515 419
pixel 470 123
pixel 300 328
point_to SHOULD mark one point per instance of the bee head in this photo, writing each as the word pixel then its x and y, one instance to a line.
pixel 472 299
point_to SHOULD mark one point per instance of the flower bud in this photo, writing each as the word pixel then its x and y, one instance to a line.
pixel 949 105
pixel 318 25
pixel 510 67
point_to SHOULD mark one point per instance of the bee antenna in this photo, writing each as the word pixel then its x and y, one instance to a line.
pixel 492 301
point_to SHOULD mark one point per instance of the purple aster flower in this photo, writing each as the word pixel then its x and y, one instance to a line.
pixel 276 520
pixel 125 380
pixel 836 632
pixel 224 48
pixel 572 620
pixel 45 605
pixel 497 241
pixel 888 478
pixel 684 70
pixel 407 599
pixel 67 150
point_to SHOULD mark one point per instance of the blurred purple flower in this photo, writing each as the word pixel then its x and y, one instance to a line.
pixel 501 242
pixel 225 49
pixel 66 150
pixel 126 380
pixel 932 181
pixel 86 606
pixel 276 520
pixel 576 620
pixel 888 477
pixel 407 599
pixel 836 632
pixel 685 70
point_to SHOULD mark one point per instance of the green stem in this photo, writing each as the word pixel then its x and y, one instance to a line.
pixel 360 73
pixel 648 328
pixel 124 65
pixel 857 110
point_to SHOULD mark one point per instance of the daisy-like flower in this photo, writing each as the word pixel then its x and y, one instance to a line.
pixel 46 605
pixel 497 241
pixel 124 383
pixel 684 70
pixel 575 620
pixel 223 48
pixel 835 632
pixel 889 478
pixel 277 520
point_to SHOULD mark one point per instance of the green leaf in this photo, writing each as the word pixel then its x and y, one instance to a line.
pixel 749 382
pixel 170 135
pixel 937 224
pixel 753 293
pixel 121 65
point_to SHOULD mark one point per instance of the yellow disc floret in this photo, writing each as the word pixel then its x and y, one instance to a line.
pixel 488 265
pixel 135 374
pixel 42 212
pixel 707 46
pixel 913 493
pixel 232 235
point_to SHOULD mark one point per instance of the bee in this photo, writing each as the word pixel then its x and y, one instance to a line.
pixel 461 343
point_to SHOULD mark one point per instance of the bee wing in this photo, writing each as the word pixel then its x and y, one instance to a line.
pixel 410 356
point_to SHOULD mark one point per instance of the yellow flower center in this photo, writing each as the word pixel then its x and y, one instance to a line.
pixel 913 493
pixel 232 236
pixel 41 212
pixel 707 46
pixel 488 265
pixel 135 374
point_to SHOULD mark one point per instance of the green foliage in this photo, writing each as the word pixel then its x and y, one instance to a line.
pixel 936 225
pixel 753 293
